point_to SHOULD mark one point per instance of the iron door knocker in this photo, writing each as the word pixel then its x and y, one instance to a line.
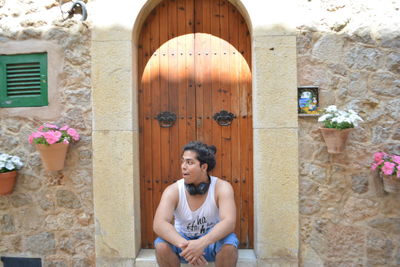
pixel 166 119
pixel 224 118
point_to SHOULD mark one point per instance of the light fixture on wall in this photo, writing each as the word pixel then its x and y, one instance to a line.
pixel 78 7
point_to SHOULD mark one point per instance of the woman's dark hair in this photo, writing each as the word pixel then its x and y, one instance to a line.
pixel 205 153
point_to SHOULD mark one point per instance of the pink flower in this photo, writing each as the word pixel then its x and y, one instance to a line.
pixel 378 156
pixel 72 132
pixel 52 137
pixel 34 135
pixel 388 168
pixel 52 126
pixel 374 166
pixel 398 171
pixel 396 159
pixel 51 134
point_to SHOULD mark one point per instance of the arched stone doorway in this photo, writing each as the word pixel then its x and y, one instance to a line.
pixel 116 176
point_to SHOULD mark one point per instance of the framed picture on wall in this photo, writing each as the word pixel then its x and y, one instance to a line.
pixel 308 100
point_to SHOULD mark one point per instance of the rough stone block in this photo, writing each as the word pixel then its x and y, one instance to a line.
pixel 113 181
pixel 276 193
pixel 42 243
pixel 275 90
pixel 113 94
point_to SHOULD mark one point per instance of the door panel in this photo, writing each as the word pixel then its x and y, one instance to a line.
pixel 194 62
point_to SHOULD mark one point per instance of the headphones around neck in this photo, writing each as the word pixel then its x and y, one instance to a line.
pixel 200 189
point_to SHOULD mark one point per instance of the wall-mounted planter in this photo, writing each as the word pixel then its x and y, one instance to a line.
pixel 53 156
pixel 7 182
pixel 391 183
pixel 335 139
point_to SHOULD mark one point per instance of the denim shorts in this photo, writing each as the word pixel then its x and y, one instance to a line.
pixel 210 251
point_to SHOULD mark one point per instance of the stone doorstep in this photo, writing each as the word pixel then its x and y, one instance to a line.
pixel 147 258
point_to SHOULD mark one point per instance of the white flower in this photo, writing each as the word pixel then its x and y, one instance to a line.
pixel 339 119
pixel 9 163
pixel 3 157
pixel 17 161
pixel 325 117
pixel 9 166
pixel 331 108
pixel 14 159
pixel 355 117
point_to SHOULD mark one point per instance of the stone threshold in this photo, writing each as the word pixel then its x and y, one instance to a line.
pixel 147 258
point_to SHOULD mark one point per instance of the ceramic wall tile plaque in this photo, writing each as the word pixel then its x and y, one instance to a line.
pixel 308 100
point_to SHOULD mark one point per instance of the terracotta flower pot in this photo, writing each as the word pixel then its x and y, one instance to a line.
pixel 7 182
pixel 391 183
pixel 335 139
pixel 53 156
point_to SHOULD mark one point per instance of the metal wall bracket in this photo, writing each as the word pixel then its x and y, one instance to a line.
pixel 166 119
pixel 78 7
pixel 224 118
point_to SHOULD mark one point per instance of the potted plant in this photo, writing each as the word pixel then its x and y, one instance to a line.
pixel 337 126
pixel 388 167
pixel 52 143
pixel 8 172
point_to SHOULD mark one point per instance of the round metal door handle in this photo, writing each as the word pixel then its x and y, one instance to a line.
pixel 224 118
pixel 166 119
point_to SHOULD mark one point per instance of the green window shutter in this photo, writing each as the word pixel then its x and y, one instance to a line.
pixel 23 80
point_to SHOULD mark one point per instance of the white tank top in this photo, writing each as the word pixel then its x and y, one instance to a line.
pixel 200 221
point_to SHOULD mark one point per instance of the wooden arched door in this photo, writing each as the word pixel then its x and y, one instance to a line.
pixel 194 62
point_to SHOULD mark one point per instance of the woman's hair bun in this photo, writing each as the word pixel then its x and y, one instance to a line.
pixel 213 149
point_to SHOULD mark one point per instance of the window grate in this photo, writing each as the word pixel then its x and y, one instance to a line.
pixel 24 81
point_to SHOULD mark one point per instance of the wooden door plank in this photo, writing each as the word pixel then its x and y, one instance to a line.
pixel 183 29
pixel 155 109
pixel 250 140
pixel 148 184
pixel 190 69
pixel 164 103
pixel 225 77
pixel 249 171
pixel 143 212
pixel 204 69
pixel 173 75
pixel 206 49
pixel 246 133
pixel 235 142
pixel 215 81
pixel 199 67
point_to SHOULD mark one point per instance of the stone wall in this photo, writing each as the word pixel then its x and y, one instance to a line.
pixel 344 220
pixel 50 214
